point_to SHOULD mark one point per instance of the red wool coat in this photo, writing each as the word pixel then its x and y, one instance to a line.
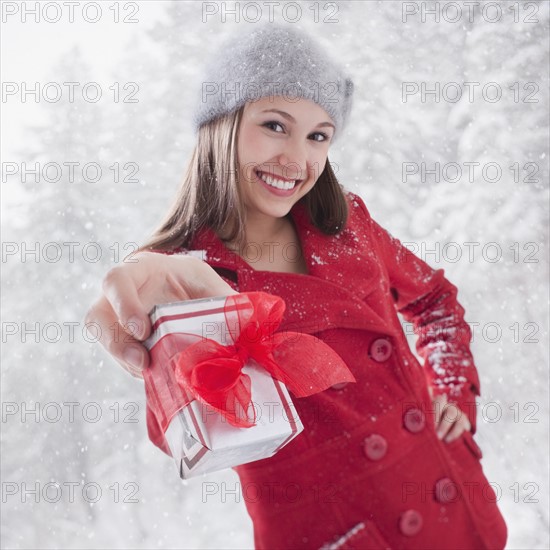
pixel 368 471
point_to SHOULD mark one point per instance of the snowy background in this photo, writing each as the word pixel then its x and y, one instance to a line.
pixel 97 480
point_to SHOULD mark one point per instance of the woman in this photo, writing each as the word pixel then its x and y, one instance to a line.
pixel 389 461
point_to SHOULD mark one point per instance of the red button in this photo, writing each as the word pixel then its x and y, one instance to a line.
pixel 339 386
pixel 446 490
pixel 410 522
pixel 380 349
pixel 375 447
pixel 414 420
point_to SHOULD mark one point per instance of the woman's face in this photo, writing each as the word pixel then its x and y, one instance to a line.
pixel 282 150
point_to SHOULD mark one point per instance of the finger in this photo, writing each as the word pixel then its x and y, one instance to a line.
pixel 120 287
pixel 199 280
pixel 135 373
pixel 457 428
pixel 439 403
pixel 126 350
pixel 218 287
pixel 450 415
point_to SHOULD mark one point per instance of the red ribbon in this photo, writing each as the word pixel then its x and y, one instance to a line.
pixel 185 366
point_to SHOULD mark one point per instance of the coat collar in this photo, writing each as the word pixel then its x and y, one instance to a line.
pixel 342 272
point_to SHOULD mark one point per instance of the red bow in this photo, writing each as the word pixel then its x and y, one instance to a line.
pixel 212 373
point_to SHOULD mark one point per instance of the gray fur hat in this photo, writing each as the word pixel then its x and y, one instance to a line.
pixel 273 59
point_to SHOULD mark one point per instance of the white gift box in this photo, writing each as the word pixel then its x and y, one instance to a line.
pixel 201 440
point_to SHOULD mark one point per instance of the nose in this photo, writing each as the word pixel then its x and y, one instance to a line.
pixel 293 157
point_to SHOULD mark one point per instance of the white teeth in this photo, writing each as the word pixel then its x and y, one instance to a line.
pixel 279 184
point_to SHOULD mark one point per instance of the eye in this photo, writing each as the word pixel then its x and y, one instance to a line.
pixel 325 137
pixel 272 123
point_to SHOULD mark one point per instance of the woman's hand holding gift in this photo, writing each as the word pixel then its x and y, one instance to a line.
pixel 121 315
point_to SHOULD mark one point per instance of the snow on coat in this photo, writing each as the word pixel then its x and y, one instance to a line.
pixel 369 471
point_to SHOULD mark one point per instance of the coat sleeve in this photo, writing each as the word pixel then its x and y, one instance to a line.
pixel 425 298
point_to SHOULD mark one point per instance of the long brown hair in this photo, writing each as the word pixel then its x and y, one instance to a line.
pixel 209 193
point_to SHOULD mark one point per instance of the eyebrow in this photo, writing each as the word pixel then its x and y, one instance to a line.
pixel 292 119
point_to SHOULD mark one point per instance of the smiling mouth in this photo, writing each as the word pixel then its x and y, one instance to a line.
pixel 276 182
